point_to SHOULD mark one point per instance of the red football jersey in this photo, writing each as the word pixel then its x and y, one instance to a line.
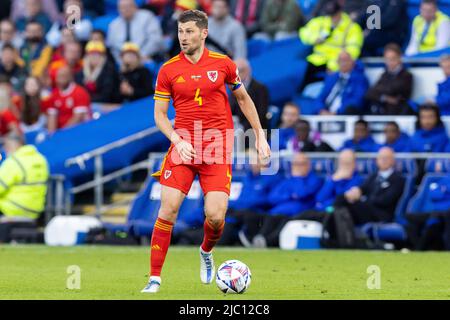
pixel 65 104
pixel 199 92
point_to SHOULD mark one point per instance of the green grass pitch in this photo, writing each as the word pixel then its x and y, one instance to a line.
pixel 39 272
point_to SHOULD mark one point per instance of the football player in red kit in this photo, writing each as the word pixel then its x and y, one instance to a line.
pixel 201 139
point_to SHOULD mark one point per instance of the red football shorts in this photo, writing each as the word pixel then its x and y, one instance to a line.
pixel 212 177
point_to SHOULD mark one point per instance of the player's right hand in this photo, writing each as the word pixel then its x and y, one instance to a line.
pixel 185 150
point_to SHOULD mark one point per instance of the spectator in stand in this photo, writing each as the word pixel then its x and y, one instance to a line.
pixel 35 52
pixel 33 12
pixel 226 33
pixel 99 76
pixel 72 56
pixel 430 29
pixel 257 91
pixel 376 199
pixel 135 80
pixel 99 36
pixel 49 7
pixel 248 13
pixel 390 94
pixel 32 116
pixel 431 230
pixel 138 26
pixel 302 141
pixel 9 109
pixel 395 139
pixel 9 67
pixel 281 19
pixel 69 103
pixel 443 97
pixel 343 91
pixel 329 35
pixel 289 117
pixel 9 35
pixel 362 141
pixel 430 135
pixel 58 48
pixel 81 28
pixel 394 24
pixel 289 197
pixel 345 178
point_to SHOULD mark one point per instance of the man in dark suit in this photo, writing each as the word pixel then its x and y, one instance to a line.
pixel 375 200
pixel 257 91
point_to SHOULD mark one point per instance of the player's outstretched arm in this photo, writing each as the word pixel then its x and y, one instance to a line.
pixel 249 110
pixel 162 121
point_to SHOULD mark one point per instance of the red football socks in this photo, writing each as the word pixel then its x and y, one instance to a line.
pixel 212 235
pixel 162 232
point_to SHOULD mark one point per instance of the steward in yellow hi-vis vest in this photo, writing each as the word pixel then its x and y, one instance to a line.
pixel 427 34
pixel 430 30
pixel 329 40
pixel 23 180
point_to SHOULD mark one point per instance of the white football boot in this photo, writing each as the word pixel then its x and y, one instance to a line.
pixel 207 268
pixel 153 285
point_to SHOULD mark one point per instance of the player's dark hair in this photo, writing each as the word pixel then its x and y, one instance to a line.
pixel 199 17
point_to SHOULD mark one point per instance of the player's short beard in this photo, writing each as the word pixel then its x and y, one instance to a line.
pixel 192 50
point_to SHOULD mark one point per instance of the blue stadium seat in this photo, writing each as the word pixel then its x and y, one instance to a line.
pixel 287 70
pixel 274 114
pixel 421 202
pixel 437 166
pixel 365 167
pixel 307 6
pixel 103 22
pixel 255 47
pixel 406 166
pixel 323 167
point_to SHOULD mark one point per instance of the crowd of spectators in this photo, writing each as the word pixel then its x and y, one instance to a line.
pixel 54 69
pixel 39 37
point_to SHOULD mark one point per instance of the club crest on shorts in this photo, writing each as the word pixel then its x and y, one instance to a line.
pixel 167 174
pixel 212 75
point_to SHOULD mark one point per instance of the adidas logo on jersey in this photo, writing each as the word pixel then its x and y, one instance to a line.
pixel 180 79
pixel 156 247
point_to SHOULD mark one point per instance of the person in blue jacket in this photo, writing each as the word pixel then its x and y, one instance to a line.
pixel 430 135
pixel 289 117
pixel 344 91
pixel 431 229
pixel 443 97
pixel 252 200
pixel 395 139
pixel 362 141
pixel 289 197
pixel 345 178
